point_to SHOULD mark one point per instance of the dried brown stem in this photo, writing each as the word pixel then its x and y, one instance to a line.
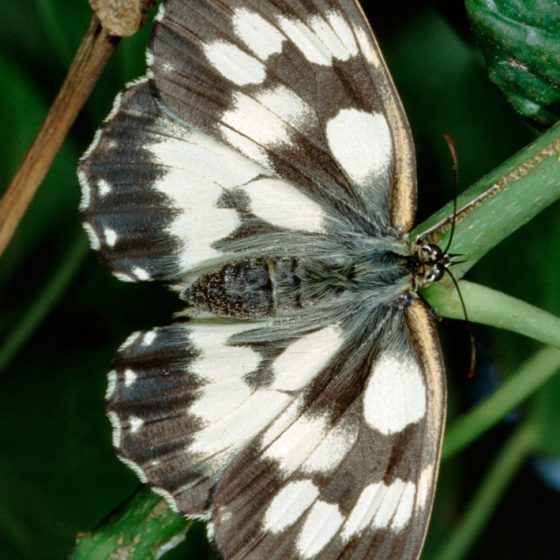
pixel 92 55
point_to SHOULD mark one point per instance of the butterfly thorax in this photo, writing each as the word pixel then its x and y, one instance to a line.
pixel 266 286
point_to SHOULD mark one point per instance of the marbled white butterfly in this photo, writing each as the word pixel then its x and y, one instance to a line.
pixel 264 168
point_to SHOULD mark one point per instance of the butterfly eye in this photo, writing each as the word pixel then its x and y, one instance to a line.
pixel 432 253
pixel 435 273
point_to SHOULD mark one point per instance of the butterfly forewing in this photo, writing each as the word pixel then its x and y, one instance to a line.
pixel 265 167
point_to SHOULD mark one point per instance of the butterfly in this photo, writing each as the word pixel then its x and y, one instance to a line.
pixel 264 169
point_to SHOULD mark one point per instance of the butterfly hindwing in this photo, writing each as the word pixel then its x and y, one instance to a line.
pixel 349 475
pixel 313 447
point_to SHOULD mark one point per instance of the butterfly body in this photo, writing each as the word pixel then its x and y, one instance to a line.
pixel 264 169
pixel 278 286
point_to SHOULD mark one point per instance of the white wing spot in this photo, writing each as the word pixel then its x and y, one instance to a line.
pixel 252 119
pixel 246 146
pixel 288 106
pixel 160 13
pixel 321 524
pixel 283 422
pixel 141 273
pixel 94 242
pixel 363 511
pixel 196 170
pixel 200 157
pixel 148 338
pixel 289 504
pixel 425 486
pixel 296 367
pixel 117 428
pixel 260 36
pixel 265 121
pixel 361 143
pixel 364 39
pixel 297 443
pixel 234 64
pixel 215 401
pixel 135 423
pixel 104 187
pixel 395 395
pixel 403 512
pixel 123 276
pixel 343 32
pixel 381 505
pixel 111 384
pixel 332 450
pixel 306 41
pixel 217 361
pixel 130 340
pixel 85 201
pixel 240 426
pixel 328 37
pixel 130 377
pixel 389 505
pixel 281 204
pixel 111 236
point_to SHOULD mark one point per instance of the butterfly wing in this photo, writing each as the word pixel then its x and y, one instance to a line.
pixel 323 446
pixel 263 129
pixel 254 118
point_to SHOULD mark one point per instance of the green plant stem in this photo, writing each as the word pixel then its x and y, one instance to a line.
pixel 532 375
pixel 49 296
pixel 144 528
pixel 501 473
pixel 496 309
pixel 499 203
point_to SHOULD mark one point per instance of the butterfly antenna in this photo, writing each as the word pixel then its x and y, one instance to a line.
pixel 472 365
pixel 454 185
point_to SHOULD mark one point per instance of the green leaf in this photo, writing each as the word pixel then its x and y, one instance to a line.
pixel 520 41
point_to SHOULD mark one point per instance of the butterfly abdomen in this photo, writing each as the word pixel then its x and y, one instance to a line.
pixel 253 287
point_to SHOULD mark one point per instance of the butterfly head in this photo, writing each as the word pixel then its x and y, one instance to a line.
pixel 428 263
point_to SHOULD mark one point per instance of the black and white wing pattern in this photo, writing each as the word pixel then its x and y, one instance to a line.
pixel 264 168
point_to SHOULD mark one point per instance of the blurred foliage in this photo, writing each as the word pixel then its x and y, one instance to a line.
pixel 520 41
pixel 58 473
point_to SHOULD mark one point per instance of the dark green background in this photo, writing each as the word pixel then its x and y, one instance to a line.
pixel 58 474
